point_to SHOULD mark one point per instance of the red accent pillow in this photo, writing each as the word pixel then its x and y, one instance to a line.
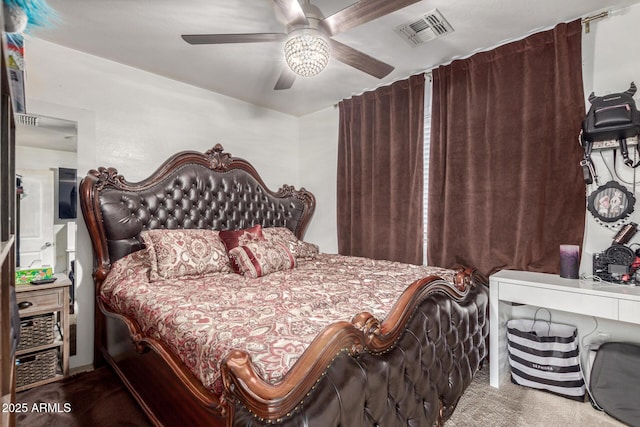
pixel 262 257
pixel 234 238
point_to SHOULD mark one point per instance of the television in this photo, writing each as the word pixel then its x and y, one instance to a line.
pixel 67 194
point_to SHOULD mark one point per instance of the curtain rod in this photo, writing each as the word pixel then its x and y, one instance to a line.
pixel 587 21
pixel 426 74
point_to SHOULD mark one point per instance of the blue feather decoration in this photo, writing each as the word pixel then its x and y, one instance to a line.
pixel 39 13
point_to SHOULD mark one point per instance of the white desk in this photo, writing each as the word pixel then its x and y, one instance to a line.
pixel 615 302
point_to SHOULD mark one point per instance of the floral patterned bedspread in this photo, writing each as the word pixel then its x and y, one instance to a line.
pixel 274 318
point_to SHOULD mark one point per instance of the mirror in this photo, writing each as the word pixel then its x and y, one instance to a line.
pixel 46 174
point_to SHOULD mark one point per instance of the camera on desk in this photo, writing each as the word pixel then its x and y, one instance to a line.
pixel 618 263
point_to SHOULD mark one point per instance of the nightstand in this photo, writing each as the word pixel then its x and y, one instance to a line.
pixel 43 352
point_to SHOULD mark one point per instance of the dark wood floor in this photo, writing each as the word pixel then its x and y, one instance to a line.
pixel 95 398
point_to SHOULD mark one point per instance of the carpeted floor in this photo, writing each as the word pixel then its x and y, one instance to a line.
pixel 98 399
pixel 515 406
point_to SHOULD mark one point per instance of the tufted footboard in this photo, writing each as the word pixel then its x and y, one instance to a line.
pixel 409 374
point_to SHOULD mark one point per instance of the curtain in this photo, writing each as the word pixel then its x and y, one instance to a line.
pixel 505 187
pixel 380 173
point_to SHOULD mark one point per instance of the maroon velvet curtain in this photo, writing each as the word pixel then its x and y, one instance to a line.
pixel 380 180
pixel 505 187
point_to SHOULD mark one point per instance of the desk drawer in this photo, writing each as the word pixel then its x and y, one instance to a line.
pixel 572 302
pixel 629 311
pixel 40 300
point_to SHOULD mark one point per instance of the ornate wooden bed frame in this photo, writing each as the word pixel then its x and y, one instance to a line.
pixel 411 368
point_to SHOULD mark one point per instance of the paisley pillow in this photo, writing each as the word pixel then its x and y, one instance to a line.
pixel 298 248
pixel 185 253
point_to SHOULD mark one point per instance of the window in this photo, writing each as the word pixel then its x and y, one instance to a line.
pixel 426 148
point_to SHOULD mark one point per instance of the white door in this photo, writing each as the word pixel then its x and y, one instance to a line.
pixel 36 218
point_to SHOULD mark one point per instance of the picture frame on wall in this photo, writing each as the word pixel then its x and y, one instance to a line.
pixel 611 202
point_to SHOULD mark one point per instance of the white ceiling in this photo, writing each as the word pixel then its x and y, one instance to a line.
pixel 145 34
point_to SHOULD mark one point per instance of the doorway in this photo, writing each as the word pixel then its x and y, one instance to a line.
pixel 35 208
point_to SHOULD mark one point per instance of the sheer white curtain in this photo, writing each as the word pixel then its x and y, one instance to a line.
pixel 427 145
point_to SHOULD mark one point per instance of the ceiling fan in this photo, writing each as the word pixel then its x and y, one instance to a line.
pixel 308 42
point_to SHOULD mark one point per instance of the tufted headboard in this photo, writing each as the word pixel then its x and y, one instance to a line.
pixel 190 190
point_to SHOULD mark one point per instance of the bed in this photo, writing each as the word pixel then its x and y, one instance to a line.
pixel 213 310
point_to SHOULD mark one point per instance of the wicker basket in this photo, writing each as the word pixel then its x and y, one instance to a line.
pixel 36 330
pixel 35 367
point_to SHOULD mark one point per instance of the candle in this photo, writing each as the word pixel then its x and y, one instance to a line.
pixel 569 261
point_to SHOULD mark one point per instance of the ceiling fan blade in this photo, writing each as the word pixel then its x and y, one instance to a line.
pixel 291 11
pixel 286 79
pixel 233 38
pixel 359 60
pixel 361 12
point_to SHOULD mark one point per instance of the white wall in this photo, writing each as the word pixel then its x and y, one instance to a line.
pixel 134 120
pixel 141 118
pixel 610 63
pixel 318 172
pixel 40 158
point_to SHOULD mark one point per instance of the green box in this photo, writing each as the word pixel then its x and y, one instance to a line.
pixel 26 275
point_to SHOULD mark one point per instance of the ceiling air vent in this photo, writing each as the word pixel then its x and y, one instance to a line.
pixel 428 27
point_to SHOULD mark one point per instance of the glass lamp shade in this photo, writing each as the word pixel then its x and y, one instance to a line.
pixel 307 54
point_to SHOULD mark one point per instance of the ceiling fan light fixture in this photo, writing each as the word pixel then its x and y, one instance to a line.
pixel 307 52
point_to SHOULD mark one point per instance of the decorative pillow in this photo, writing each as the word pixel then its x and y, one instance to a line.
pixel 262 257
pixel 184 252
pixel 234 238
pixel 298 248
